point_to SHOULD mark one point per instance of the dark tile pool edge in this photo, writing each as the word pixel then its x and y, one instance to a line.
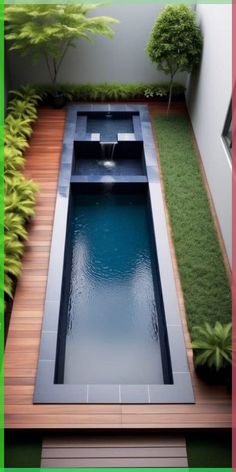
pixel 46 391
pixel 179 392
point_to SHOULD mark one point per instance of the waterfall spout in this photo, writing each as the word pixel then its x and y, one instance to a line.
pixel 108 114
pixel 108 150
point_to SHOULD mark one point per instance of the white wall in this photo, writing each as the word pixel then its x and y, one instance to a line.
pixel 121 59
pixel 208 97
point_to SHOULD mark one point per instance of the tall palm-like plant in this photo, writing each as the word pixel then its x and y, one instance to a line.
pixel 48 31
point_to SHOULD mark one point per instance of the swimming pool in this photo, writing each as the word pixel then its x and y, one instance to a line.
pixel 112 319
pixel 112 330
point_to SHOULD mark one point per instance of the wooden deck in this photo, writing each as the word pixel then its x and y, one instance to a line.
pixel 213 404
pixel 126 449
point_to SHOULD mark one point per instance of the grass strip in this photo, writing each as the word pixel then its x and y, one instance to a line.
pixel 23 449
pixel 208 449
pixel 204 280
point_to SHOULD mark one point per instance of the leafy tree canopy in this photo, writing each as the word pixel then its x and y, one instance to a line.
pixel 49 30
pixel 175 42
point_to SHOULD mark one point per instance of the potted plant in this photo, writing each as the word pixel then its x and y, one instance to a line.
pixel 175 42
pixel 48 31
pixel 212 350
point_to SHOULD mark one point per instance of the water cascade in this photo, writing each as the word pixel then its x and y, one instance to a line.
pixel 108 151
pixel 108 114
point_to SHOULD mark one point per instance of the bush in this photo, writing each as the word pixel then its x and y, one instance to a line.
pixel 13 159
pixel 19 192
pixel 212 350
pixel 114 91
pixel 212 345
pixel 27 94
pixel 22 109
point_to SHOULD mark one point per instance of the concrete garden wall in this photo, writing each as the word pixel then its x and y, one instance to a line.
pixel 122 59
pixel 208 97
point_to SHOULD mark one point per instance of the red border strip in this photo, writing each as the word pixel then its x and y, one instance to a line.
pixel 234 227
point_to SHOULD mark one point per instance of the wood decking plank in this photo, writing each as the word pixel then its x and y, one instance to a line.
pixel 213 405
pixel 121 462
pixel 114 440
pixel 114 452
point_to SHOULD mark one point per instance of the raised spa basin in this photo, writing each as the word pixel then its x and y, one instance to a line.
pixel 108 125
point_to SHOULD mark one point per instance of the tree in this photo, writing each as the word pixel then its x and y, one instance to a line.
pixel 49 30
pixel 175 42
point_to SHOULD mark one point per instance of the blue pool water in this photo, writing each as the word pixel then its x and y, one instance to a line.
pixel 112 330
pixel 110 167
pixel 109 127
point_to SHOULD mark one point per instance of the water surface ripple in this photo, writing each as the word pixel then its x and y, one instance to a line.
pixel 112 331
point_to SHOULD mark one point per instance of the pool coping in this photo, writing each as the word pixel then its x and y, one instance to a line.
pixel 46 391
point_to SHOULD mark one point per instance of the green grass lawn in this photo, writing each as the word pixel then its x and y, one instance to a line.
pixel 209 449
pixel 204 281
pixel 23 449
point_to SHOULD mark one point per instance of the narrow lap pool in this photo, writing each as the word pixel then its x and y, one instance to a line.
pixel 112 327
pixel 111 330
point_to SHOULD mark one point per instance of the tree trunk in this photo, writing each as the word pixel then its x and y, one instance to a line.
pixel 48 67
pixel 54 82
pixel 57 65
pixel 170 94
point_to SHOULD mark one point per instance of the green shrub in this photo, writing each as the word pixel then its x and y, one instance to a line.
pixel 18 127
pixel 113 91
pixel 19 192
pixel 27 94
pixel 20 196
pixel 19 202
pixel 13 250
pixel 14 236
pixel 153 91
pixel 13 159
pixel 13 222
pixel 18 142
pixel 22 109
pixel 213 345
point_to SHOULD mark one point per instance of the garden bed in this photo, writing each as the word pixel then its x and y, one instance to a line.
pixel 116 92
pixel 204 280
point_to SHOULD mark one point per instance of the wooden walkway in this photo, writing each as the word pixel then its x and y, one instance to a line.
pixel 213 405
pixel 114 450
